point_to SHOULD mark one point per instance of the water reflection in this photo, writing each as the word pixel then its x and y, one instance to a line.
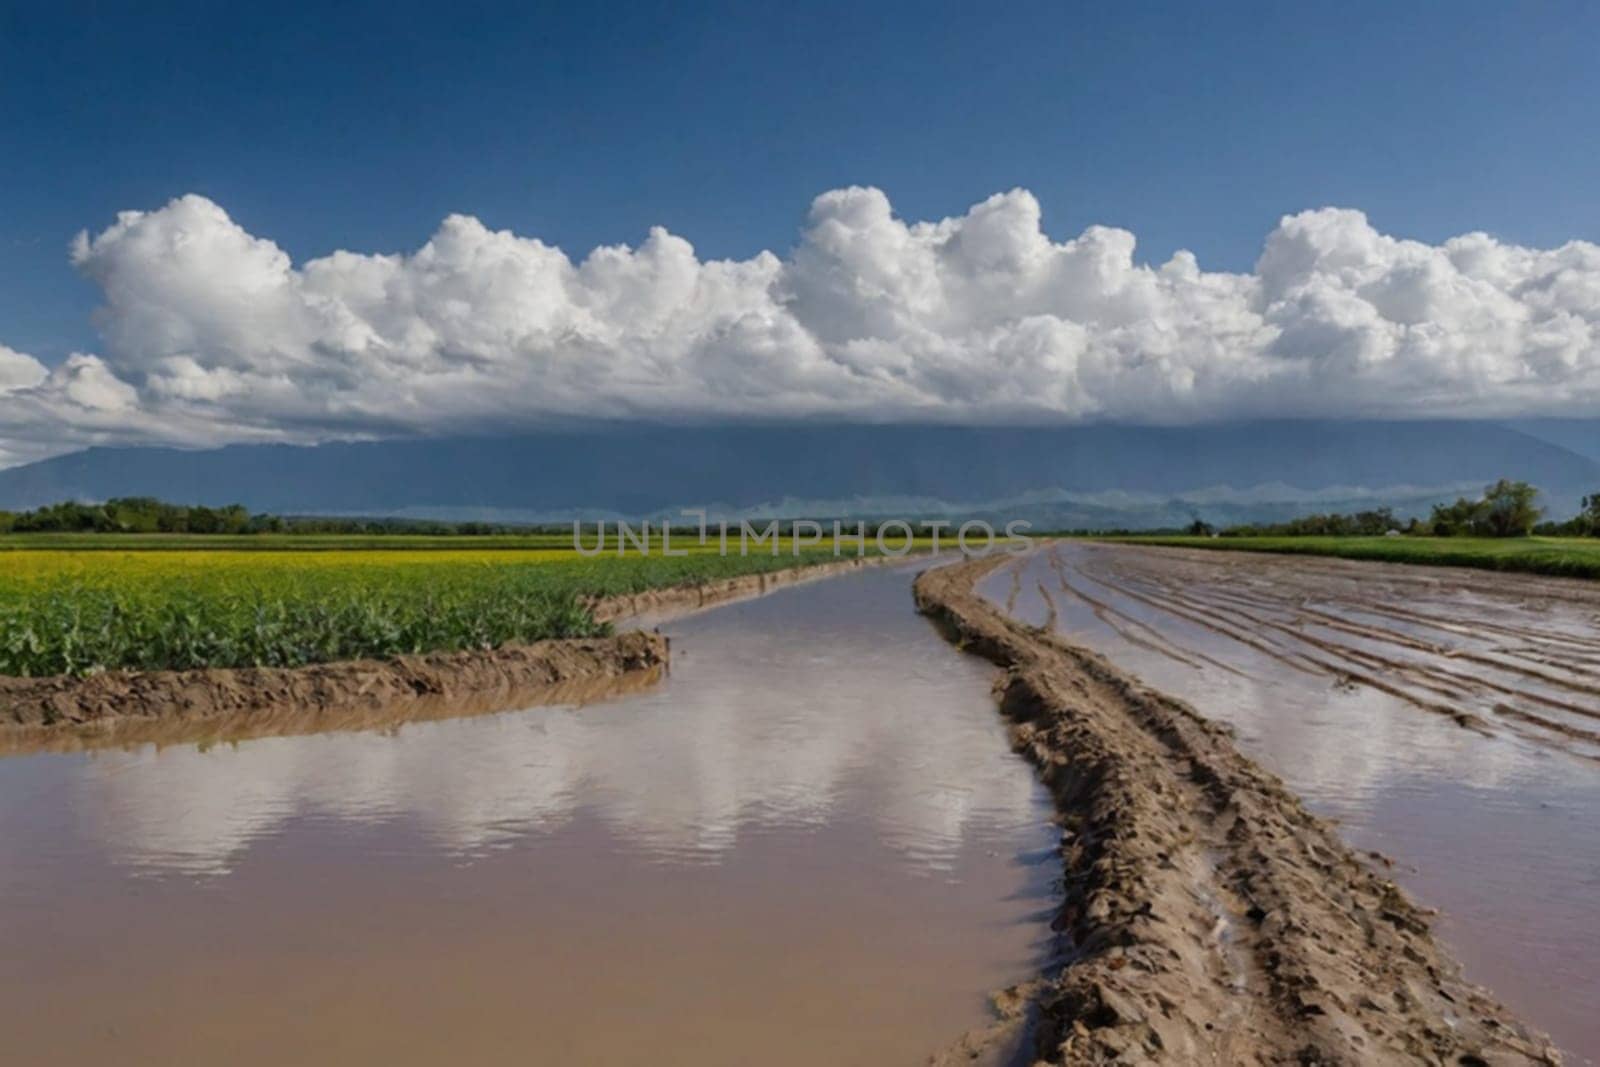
pixel 811 841
pixel 779 713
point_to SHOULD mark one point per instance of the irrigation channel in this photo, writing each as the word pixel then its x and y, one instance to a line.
pixel 1449 719
pixel 810 844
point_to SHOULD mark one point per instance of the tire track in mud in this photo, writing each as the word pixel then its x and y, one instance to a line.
pixel 1125 625
pixel 1205 622
pixel 1212 920
pixel 1445 683
pixel 1510 668
pixel 1382 635
pixel 1571 642
pixel 1301 660
pixel 1450 682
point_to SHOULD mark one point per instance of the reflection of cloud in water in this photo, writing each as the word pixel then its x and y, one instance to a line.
pixel 764 724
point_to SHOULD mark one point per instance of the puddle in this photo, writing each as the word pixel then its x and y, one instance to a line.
pixel 1345 679
pixel 810 844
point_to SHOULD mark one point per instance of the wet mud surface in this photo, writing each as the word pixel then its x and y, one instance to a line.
pixel 1492 652
pixel 1211 917
pixel 1439 716
pixel 119 705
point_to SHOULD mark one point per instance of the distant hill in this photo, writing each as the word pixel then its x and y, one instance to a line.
pixel 1576 435
pixel 1083 475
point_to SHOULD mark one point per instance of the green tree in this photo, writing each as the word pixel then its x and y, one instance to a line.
pixel 1509 509
pixel 203 520
pixel 135 514
pixel 1460 519
pixel 1588 521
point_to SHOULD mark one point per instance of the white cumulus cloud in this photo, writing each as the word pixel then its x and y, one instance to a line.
pixel 18 371
pixel 213 334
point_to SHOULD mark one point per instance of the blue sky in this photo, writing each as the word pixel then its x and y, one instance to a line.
pixel 1195 126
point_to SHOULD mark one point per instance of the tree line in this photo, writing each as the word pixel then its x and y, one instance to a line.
pixel 1506 509
pixel 147 515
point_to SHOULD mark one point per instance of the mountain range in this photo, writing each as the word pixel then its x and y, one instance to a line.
pixel 1093 475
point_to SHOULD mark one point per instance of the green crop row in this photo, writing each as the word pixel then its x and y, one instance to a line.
pixel 133 614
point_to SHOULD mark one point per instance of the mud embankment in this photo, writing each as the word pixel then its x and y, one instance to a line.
pixel 229 704
pixel 1209 917
pixel 135 705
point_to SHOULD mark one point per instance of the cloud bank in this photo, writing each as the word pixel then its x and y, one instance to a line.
pixel 212 334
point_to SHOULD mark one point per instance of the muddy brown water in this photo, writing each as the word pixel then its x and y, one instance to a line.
pixel 810 844
pixel 1350 680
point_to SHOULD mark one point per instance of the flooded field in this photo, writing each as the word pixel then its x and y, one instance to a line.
pixel 1445 717
pixel 809 845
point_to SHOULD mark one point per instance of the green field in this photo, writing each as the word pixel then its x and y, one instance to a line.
pixel 1568 557
pixel 203 602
